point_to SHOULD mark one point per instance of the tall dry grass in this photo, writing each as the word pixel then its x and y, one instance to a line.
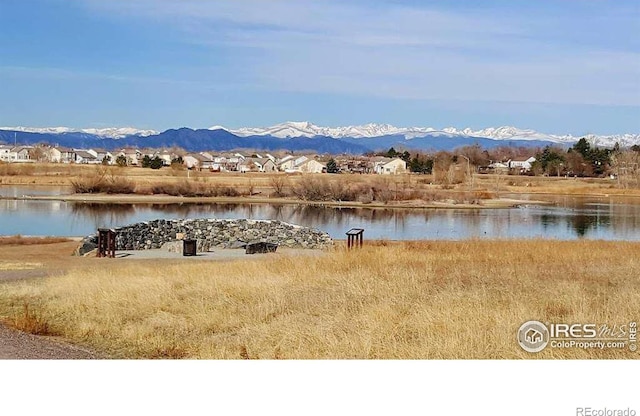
pixel 423 300
pixel 16 169
pixel 25 241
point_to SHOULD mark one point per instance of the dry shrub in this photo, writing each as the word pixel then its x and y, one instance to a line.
pixel 364 193
pixel 169 352
pixel 174 189
pixel 193 189
pixel 382 190
pixel 484 194
pixel 465 198
pixel 279 184
pixel 31 322
pixel 113 185
pixel 321 189
pixel 311 188
pixel 103 180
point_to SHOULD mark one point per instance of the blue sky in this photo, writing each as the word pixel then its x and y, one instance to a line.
pixel 554 66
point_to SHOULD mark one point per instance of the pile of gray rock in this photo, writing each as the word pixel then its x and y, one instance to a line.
pixel 87 245
pixel 210 233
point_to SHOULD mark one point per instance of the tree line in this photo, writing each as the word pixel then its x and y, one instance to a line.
pixel 582 159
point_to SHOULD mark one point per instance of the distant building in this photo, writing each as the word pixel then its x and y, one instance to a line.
pixel 522 165
pixel 105 157
pixel 86 157
pixel 306 164
pixel 256 164
pixel 4 153
pixel 60 154
pixel 312 166
pixel 499 167
pixel 133 156
pixel 19 154
pixel 196 160
pixel 388 166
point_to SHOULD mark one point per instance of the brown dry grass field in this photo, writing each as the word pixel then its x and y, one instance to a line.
pixel 412 300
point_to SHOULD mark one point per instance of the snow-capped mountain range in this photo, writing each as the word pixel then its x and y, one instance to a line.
pixel 110 132
pixel 305 129
pixel 295 136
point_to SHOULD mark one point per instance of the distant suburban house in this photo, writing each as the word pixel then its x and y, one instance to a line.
pixel 133 155
pixel 267 165
pixel 107 157
pixel 208 155
pixel 522 165
pixel 300 164
pixel 256 164
pixel 196 160
pixel 499 167
pixel 286 163
pixel 20 154
pixel 4 153
pixel 86 156
pixel 60 154
pixel 353 164
pixel 311 166
pixel 389 166
pixel 227 162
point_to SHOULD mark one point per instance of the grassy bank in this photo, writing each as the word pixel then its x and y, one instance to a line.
pixel 405 300
pixel 345 187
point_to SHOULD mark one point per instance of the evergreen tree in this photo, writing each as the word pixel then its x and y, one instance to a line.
pixel 156 163
pixel 121 161
pixel 332 166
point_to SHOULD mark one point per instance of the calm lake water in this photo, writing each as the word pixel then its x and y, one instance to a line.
pixel 569 218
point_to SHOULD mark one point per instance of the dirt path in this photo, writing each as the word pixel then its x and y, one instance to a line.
pixel 16 345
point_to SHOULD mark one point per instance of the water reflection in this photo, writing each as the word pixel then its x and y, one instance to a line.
pixel 98 214
pixel 18 191
pixel 569 219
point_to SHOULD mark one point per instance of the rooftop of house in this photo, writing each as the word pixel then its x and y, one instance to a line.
pixel 19 149
pixel 198 157
pixel 85 154
pixel 63 149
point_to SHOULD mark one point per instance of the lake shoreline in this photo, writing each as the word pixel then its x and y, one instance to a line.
pixel 496 203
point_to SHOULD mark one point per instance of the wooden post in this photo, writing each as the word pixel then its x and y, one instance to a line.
pixel 106 243
pixel 111 246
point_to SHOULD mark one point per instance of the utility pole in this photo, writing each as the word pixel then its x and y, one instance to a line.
pixel 469 170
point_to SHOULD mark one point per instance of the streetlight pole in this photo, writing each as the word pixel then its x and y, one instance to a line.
pixel 469 170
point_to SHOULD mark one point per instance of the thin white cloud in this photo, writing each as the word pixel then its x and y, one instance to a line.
pixel 398 51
